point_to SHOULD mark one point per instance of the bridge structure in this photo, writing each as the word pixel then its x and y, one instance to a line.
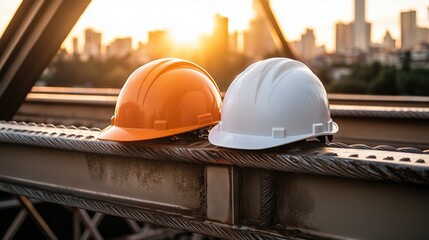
pixel 301 191
pixel 370 183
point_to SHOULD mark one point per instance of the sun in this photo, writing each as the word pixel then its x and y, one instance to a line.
pixel 183 36
pixel 188 31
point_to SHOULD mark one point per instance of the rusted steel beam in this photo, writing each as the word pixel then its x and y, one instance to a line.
pixel 28 45
pixel 311 190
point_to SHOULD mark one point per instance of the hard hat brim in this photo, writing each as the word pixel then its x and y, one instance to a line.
pixel 121 134
pixel 252 142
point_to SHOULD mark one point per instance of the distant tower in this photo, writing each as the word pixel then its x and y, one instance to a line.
pixel 120 47
pixel 308 44
pixel 360 27
pixel 217 52
pixel 408 30
pixel 388 41
pixel 92 46
pixel 258 41
pixel 220 35
pixel 343 37
pixel 159 44
pixel 75 46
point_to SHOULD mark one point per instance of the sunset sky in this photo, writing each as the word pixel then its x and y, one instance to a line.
pixel 188 19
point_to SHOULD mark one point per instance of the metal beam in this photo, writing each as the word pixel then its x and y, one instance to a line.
pixel 181 183
pixel 28 45
pixel 15 225
pixel 89 224
pixel 37 218
pixel 96 219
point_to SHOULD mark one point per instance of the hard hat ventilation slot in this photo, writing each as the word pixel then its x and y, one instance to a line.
pixel 279 132
pixel 205 118
pixel 317 128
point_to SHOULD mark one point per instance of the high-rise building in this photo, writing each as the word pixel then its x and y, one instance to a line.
pixel 306 48
pixel 220 37
pixel 258 41
pixel 216 51
pixel 388 41
pixel 120 47
pixel 343 37
pixel 360 26
pixel 92 47
pixel 422 35
pixel 308 44
pixel 75 46
pixel 408 30
pixel 354 36
pixel 362 29
pixel 159 44
pixel 233 42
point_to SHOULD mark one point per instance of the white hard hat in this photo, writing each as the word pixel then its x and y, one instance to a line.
pixel 271 103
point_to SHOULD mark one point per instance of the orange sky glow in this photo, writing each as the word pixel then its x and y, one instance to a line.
pixel 188 19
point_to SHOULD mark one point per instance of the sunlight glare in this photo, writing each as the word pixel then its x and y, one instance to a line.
pixel 188 31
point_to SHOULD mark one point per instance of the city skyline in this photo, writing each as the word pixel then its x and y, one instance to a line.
pixel 240 12
pixel 293 22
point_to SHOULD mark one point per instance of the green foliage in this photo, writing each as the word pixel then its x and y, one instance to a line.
pixel 384 80
pixel 91 73
pixel 355 86
pixel 365 73
pixel 413 82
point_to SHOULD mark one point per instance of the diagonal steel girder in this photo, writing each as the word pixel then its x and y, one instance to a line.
pixel 28 45
pixel 276 31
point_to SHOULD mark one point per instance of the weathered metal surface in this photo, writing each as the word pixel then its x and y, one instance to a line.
pixel 302 157
pixel 303 190
pixel 268 198
pixel 159 218
pixel 353 209
pixel 220 194
pixel 153 184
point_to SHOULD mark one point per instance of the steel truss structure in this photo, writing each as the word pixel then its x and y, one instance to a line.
pixel 305 190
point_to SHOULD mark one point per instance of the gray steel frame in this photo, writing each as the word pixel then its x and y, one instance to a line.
pixel 306 190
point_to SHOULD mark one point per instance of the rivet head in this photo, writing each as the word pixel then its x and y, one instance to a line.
pixel 371 157
pixel 405 159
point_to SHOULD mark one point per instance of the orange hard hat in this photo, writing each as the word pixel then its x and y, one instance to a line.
pixel 162 98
